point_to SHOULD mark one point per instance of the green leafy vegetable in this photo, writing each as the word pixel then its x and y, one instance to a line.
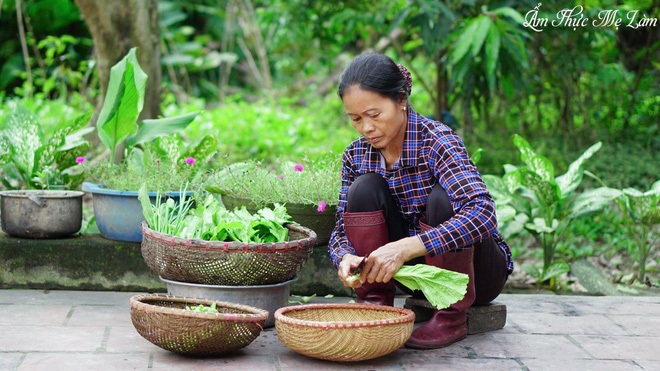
pixel 203 308
pixel 441 287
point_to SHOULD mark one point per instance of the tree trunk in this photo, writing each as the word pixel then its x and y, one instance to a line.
pixel 117 26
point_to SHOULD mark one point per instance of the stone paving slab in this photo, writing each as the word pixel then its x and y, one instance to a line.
pixel 76 330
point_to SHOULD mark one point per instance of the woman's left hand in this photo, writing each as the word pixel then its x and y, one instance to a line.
pixel 385 261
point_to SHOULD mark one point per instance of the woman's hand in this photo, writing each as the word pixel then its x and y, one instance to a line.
pixel 348 263
pixel 383 263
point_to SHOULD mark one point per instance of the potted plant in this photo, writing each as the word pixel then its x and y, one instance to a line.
pixel 31 164
pixel 117 211
pixel 309 189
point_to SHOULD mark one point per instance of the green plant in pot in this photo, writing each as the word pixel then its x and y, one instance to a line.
pixel 118 212
pixel 309 189
pixel 49 170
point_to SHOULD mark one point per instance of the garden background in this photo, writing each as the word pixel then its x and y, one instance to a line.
pixel 264 75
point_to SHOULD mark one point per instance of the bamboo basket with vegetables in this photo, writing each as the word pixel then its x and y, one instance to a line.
pixel 195 326
pixel 214 246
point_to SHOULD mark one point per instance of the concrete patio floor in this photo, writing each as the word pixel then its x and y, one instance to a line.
pixel 84 330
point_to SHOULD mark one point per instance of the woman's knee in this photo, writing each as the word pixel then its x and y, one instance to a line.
pixel 438 207
pixel 366 193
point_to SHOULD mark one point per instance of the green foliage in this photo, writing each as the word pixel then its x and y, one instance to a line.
pixel 210 221
pixel 31 160
pixel 167 217
pixel 305 183
pixel 642 212
pixel 547 203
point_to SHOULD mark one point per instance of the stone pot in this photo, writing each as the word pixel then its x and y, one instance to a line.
pixel 41 213
pixel 321 223
pixel 118 214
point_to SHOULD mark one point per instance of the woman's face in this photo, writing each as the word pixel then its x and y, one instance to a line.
pixel 379 119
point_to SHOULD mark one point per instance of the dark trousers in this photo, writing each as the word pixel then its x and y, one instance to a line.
pixel 370 192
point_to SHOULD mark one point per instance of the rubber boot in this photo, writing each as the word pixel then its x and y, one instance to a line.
pixel 448 325
pixel 367 231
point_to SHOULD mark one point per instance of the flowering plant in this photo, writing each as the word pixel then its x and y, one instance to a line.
pixel 314 183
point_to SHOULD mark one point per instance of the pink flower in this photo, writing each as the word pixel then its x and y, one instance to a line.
pixel 321 207
pixel 256 165
pixel 190 160
pixel 281 176
pixel 80 159
pixel 298 168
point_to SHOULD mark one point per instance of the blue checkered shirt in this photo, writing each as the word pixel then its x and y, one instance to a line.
pixel 432 154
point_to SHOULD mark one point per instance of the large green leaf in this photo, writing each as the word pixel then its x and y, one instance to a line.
pixel 511 13
pixel 23 133
pixel 555 269
pixel 497 188
pixel 592 200
pixel 640 204
pixel 480 34
pixel 464 42
pixel 535 162
pixel 540 226
pixel 547 192
pixel 152 129
pixel 492 55
pixel 569 181
pixel 441 287
pixel 123 101
pixel 513 227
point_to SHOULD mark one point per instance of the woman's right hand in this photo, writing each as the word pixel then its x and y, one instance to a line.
pixel 348 263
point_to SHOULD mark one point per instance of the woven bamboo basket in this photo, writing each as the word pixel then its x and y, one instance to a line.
pixel 344 332
pixel 227 263
pixel 164 321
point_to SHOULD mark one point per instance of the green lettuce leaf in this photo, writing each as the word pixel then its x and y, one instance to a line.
pixel 441 287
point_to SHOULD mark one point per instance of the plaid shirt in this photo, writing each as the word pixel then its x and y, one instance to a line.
pixel 432 153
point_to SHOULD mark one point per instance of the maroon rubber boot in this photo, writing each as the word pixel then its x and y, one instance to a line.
pixel 448 325
pixel 367 231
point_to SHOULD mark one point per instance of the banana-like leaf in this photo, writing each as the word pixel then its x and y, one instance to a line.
pixel 152 129
pixel 535 162
pixel 123 101
pixel 569 181
pixel 593 200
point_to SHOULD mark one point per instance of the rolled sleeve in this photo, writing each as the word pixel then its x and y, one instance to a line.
pixel 474 208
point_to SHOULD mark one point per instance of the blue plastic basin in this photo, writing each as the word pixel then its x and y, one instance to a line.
pixel 118 214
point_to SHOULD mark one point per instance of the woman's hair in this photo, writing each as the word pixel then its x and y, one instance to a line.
pixel 377 73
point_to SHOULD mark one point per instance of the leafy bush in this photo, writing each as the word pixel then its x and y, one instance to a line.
pixel 531 197
pixel 311 183
pixel 29 159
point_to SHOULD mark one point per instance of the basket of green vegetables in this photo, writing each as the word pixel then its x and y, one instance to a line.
pixel 211 245
pixel 195 326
